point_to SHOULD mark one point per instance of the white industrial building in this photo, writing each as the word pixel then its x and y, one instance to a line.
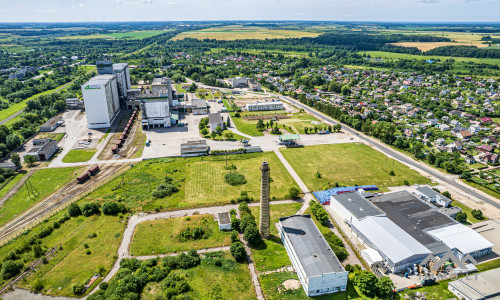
pixel 430 195
pixel 122 72
pixel 398 249
pixel 317 267
pixel 155 113
pixel 163 86
pixel 463 240
pixel 353 207
pixel 484 285
pixel 102 103
pixel 260 106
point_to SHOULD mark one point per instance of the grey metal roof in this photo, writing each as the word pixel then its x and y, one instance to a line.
pixel 411 214
pixel 479 286
pixel 214 118
pixel 358 205
pixel 224 218
pixel 430 192
pixel 313 251
pixel 199 103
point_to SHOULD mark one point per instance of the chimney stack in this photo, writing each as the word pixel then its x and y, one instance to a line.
pixel 264 200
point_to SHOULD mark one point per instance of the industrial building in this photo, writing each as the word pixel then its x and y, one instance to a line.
pixel 194 148
pixel 155 112
pixel 162 86
pixel 215 120
pixel 430 195
pixel 484 285
pixel 102 103
pixel 404 229
pixel 51 124
pixel 260 106
pixel 199 107
pixel 317 267
pixel 120 70
pixel 44 152
pixel 224 221
pixel 74 103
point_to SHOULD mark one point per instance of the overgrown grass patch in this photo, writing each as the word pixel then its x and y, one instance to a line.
pixel 163 236
pixel 79 155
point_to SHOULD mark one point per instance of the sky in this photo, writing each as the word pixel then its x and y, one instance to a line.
pixel 242 10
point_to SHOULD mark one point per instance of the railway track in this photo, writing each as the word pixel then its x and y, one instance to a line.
pixel 55 201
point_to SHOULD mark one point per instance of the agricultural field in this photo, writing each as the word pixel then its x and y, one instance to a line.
pixel 79 155
pixel 426 46
pixel 200 181
pixel 146 240
pixel 208 281
pixel 46 182
pixel 393 55
pixel 347 165
pixel 128 35
pixel 236 32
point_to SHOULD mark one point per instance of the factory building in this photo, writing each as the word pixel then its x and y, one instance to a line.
pixel 260 106
pixel 317 267
pixel 163 86
pixel 155 113
pixel 430 195
pixel 122 72
pixel 403 229
pixel 485 285
pixel 102 103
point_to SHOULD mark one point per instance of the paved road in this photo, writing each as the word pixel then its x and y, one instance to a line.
pixel 451 180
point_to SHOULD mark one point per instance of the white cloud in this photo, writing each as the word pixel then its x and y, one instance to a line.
pixel 429 1
pixel 82 5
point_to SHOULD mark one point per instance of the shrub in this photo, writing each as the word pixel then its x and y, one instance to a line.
pixel 477 214
pixel 10 269
pixel 235 178
pixel 182 261
pixel 37 285
pixel 164 190
pixel 294 193
pixel 234 236
pixel 113 208
pixel 90 209
pixel 78 288
pixel 461 217
pixel 238 252
pixel 252 235
pixel 74 210
pixel 392 173
pixel 103 285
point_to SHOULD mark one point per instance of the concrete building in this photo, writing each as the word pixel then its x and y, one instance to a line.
pixel 155 113
pixel 238 82
pixel 199 107
pixel 45 151
pixel 163 86
pixel 484 285
pixel 214 120
pixel 51 124
pixel 430 195
pixel 260 106
pixel 104 66
pixel 74 103
pixel 122 72
pixel 224 221
pixel 194 148
pixel 317 267
pixel 102 103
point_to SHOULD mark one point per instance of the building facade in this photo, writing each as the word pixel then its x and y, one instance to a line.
pixel 317 267
pixel 260 106
pixel 102 103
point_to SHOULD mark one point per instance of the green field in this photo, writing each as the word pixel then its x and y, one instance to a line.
pixel 272 255
pixel 392 55
pixel 46 181
pixel 468 211
pixel 200 181
pixel 79 155
pixel 207 281
pixel 234 32
pixel 348 164
pixel 60 273
pixel 11 182
pixel 146 240
pixel 297 121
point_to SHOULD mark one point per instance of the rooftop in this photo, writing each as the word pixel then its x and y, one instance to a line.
pixel 214 118
pixel 224 218
pixel 412 214
pixel 313 251
pixel 357 205
pixel 479 286
pixel 461 237
pixel 426 190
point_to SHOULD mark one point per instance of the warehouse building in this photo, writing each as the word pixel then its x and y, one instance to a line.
pixel 398 249
pixel 51 124
pixel 260 106
pixel 44 151
pixel 199 107
pixel 484 285
pixel 155 113
pixel 463 240
pixel 102 103
pixel 353 207
pixel 163 86
pixel 430 195
pixel 194 148
pixel 317 267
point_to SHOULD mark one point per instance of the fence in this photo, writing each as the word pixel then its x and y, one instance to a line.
pixel 30 271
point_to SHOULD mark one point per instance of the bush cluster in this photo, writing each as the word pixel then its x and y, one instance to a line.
pixel 164 190
pixel 235 178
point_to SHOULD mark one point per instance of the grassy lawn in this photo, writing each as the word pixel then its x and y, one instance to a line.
pixel 348 164
pixel 492 264
pixel 246 126
pixel 236 137
pixel 11 182
pixel 207 281
pixel 79 155
pixel 200 181
pixel 60 273
pixel 478 166
pixel 468 211
pixel 272 255
pixel 483 189
pixel 179 88
pixel 146 240
pixel 46 181
pixel 439 291
pixel 298 122
pixel 271 287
